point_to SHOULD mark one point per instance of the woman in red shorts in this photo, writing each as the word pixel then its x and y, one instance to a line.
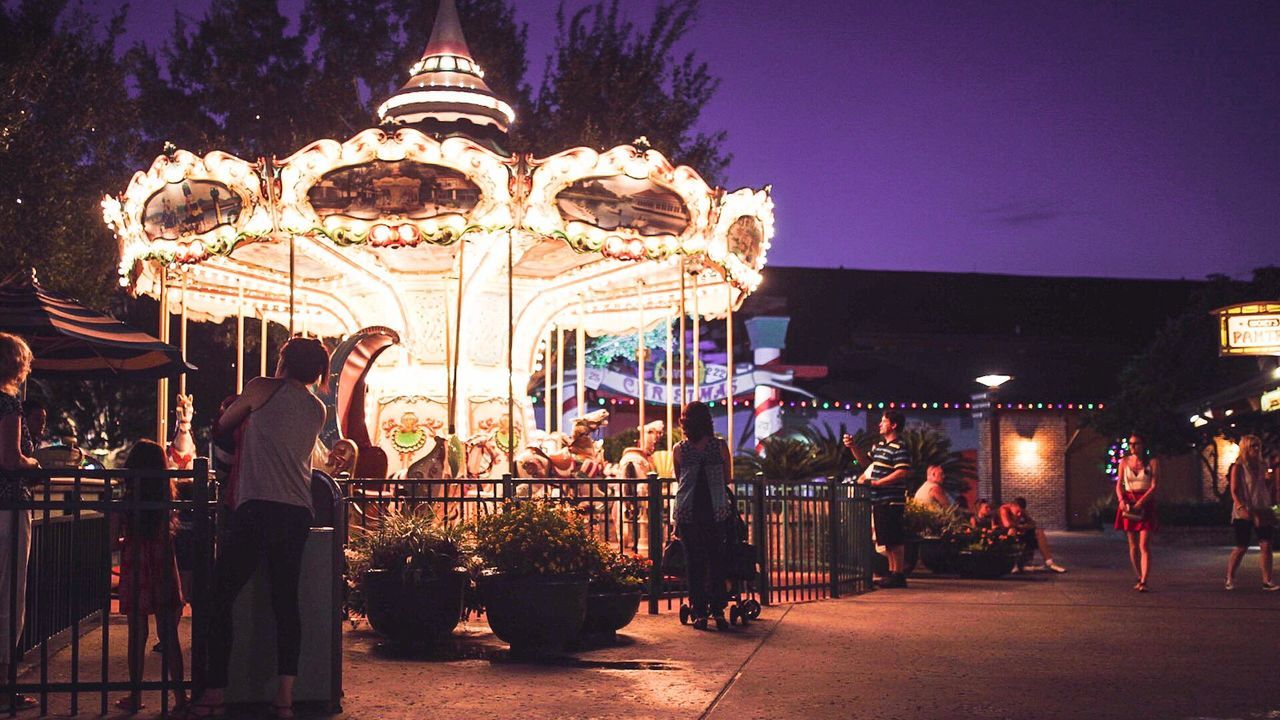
pixel 1136 514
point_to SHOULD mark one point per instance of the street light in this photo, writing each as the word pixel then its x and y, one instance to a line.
pixel 993 381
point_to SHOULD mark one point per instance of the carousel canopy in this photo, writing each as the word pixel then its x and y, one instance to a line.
pixel 70 340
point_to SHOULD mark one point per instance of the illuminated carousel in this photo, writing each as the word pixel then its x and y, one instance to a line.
pixel 445 271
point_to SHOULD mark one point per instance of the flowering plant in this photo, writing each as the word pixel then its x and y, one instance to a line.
pixel 413 545
pixel 620 572
pixel 536 537
pixel 989 539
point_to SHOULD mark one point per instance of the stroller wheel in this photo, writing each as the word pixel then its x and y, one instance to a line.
pixel 751 609
pixel 685 613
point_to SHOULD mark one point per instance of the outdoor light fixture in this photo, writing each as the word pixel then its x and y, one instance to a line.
pixel 994 381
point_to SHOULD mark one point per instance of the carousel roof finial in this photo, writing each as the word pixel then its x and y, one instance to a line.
pixel 446 90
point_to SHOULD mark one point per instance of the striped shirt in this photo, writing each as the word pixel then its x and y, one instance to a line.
pixel 887 456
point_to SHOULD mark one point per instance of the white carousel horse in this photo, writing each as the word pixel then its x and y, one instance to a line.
pixel 181 450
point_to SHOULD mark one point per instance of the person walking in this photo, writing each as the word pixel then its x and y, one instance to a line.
pixel 1136 506
pixel 887 474
pixel 1251 500
pixel 280 420
pixel 702 466
pixel 16 451
pixel 149 580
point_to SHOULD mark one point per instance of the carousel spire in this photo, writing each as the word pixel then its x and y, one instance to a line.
pixel 446 91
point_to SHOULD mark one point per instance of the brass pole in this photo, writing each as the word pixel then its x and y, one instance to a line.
pixel 697 337
pixel 162 385
pixel 457 341
pixel 511 331
pixel 669 373
pixel 560 378
pixel 182 332
pixel 684 397
pixel 580 357
pixel 728 320
pixel 640 360
pixel 548 393
pixel 239 338
pixel 263 326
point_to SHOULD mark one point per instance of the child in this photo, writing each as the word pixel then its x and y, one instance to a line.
pixel 149 583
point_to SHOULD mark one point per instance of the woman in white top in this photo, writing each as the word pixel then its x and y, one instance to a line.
pixel 1251 513
pixel 1136 511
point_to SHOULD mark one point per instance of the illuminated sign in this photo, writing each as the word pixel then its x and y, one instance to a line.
pixel 1249 329
pixel 1271 401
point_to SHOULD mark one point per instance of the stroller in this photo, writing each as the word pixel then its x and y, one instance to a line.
pixel 741 573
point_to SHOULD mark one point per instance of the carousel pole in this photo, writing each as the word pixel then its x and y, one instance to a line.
pixel 182 332
pixel 457 341
pixel 162 385
pixel 239 337
pixel 511 331
pixel 640 360
pixel 548 393
pixel 697 337
pixel 262 342
pixel 292 280
pixel 670 429
pixel 728 322
pixel 580 357
pixel 560 379
pixel 305 325
pixel 684 397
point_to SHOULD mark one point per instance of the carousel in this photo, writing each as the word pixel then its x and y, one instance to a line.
pixel 449 275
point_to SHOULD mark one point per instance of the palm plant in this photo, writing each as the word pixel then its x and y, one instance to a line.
pixel 930 446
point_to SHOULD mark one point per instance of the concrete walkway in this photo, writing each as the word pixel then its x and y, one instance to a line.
pixel 1079 645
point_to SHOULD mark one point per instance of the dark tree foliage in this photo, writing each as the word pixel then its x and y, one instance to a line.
pixel 66 139
pixel 1182 365
pixel 610 82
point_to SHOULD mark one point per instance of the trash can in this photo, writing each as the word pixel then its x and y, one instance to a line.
pixel 252 676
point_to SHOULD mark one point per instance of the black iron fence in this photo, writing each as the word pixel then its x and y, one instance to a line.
pixel 75 518
pixel 812 539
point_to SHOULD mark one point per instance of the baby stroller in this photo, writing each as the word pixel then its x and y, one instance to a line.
pixel 741 573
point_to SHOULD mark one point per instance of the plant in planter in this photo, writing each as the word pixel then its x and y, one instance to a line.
pixel 926 524
pixel 407 576
pixel 614 591
pixel 536 558
pixel 983 552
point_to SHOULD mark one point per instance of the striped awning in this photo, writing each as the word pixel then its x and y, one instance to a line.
pixel 70 340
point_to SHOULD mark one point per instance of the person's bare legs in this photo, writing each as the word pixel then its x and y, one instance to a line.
pixel 1264 560
pixel 283 704
pixel 1044 545
pixel 897 559
pixel 1144 548
pixel 1233 562
pixel 1135 555
pixel 137 657
pixel 167 630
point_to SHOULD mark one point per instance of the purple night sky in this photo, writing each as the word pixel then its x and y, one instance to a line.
pixel 1017 136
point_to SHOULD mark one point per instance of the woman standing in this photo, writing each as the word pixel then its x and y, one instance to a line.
pixel 279 419
pixel 702 467
pixel 16 449
pixel 1136 511
pixel 1251 510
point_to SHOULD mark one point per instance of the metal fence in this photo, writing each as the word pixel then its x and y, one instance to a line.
pixel 812 539
pixel 76 516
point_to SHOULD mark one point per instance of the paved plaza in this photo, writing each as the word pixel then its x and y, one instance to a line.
pixel 1079 645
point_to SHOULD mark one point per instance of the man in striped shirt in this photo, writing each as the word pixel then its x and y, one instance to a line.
pixel 887 475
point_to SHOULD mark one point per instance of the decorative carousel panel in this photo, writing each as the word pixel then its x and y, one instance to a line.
pixel 743 230
pixel 397 189
pixel 625 203
pixel 186 208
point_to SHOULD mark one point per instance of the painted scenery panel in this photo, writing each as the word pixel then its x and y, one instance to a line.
pixel 617 202
pixel 404 188
pixel 745 238
pixel 190 208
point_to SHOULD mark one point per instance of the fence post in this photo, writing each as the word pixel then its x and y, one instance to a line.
pixel 833 536
pixel 759 534
pixel 508 488
pixel 202 530
pixel 657 537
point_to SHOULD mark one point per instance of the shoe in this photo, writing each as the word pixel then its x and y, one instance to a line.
pixel 721 623
pixel 1270 587
pixel 1016 569
pixel 1141 587
pixel 1230 585
pixel 1055 567
pixel 894 581
pixel 129 705
pixel 700 623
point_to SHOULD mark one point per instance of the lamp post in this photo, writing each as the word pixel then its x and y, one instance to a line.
pixel 993 381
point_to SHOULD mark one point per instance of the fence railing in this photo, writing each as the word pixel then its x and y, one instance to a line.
pixel 75 518
pixel 812 539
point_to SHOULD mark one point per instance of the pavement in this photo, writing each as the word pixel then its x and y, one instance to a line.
pixel 1038 645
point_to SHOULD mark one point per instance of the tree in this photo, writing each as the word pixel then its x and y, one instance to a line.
pixel 610 82
pixel 66 138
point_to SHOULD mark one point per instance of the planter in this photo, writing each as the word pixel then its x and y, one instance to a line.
pixel 534 613
pixel 607 613
pixel 938 556
pixel 984 565
pixel 407 609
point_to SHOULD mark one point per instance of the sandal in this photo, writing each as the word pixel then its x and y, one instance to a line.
pixel 129 705
pixel 1141 587
pixel 282 712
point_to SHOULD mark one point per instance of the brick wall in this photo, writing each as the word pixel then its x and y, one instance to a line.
pixel 1032 463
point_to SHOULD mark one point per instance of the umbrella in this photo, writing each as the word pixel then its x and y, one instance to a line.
pixel 70 340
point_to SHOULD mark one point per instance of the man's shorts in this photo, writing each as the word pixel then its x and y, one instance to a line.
pixel 1245 530
pixel 888 519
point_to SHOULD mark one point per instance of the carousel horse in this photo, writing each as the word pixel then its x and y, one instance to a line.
pixel 181 450
pixel 637 462
pixel 587 453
